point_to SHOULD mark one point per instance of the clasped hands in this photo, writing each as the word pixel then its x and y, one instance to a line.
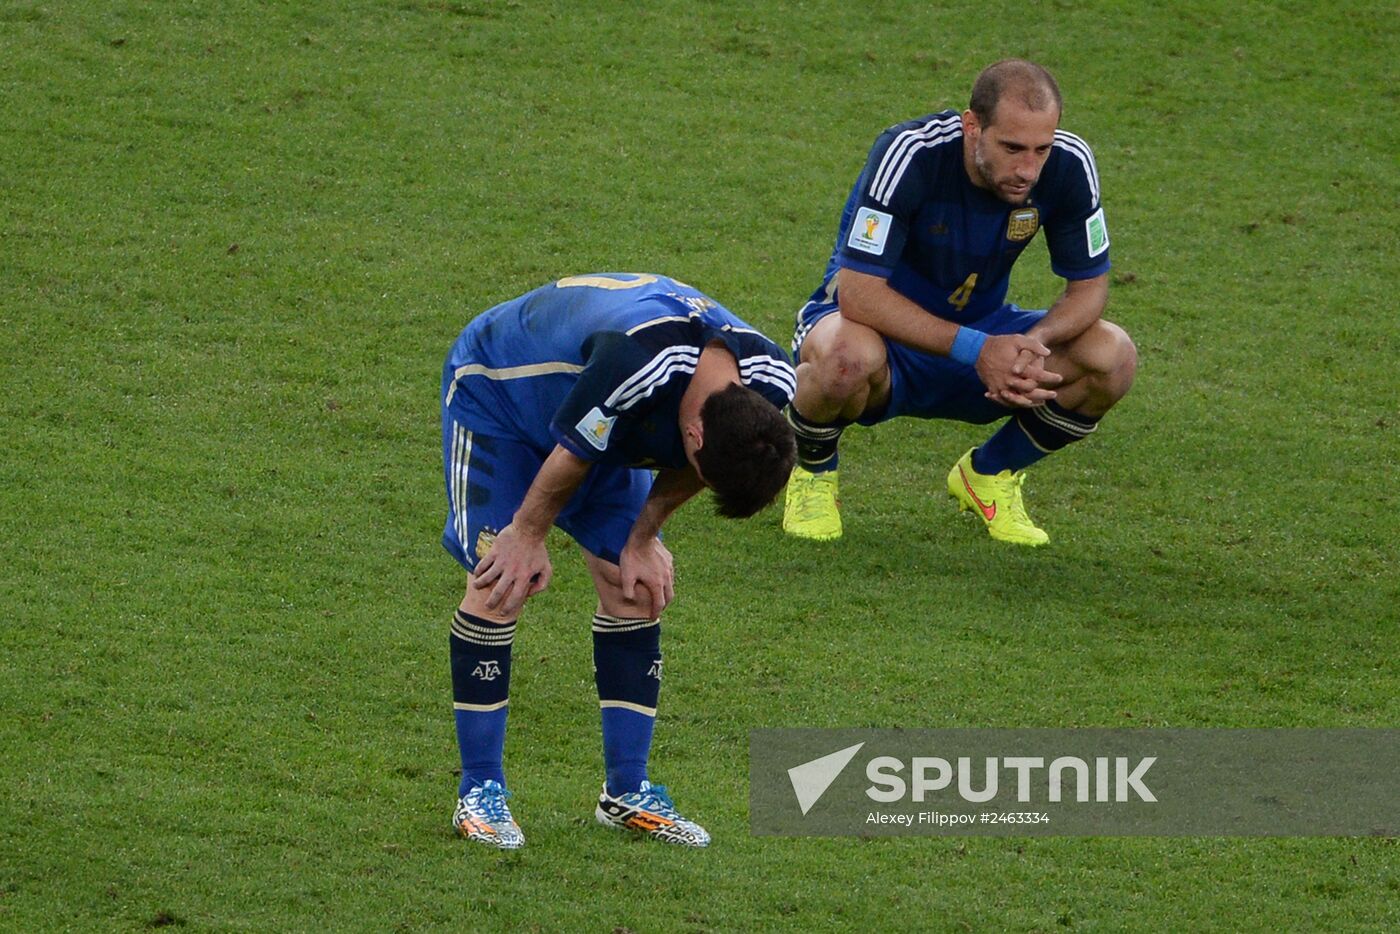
pixel 1012 367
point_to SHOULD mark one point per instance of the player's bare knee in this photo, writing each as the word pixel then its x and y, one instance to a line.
pixel 1108 358
pixel 475 603
pixel 842 375
pixel 847 368
pixel 613 603
pixel 1105 350
pixel 1121 365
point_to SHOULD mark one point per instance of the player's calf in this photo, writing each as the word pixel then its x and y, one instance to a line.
pixel 627 664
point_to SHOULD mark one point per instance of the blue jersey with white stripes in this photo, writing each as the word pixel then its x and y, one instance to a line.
pixel 915 218
pixel 598 364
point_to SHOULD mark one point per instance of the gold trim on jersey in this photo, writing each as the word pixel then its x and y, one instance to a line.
pixel 509 372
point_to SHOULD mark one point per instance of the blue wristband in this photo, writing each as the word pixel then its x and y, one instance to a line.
pixel 967 346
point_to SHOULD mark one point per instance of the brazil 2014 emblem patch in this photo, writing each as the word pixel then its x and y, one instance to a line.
pixel 595 427
pixel 1023 224
pixel 869 231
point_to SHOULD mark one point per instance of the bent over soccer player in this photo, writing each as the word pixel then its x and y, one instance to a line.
pixel 554 405
pixel 911 317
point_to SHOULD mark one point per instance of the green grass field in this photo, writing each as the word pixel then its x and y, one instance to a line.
pixel 236 240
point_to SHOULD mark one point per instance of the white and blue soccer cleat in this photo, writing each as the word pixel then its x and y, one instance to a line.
pixel 483 815
pixel 649 811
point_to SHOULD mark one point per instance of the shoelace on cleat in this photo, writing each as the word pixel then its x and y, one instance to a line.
pixel 1016 503
pixel 811 501
pixel 491 798
pixel 657 800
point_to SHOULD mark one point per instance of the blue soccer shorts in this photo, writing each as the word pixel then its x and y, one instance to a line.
pixel 925 385
pixel 486 480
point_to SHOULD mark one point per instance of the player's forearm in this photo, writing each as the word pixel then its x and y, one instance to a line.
pixel 1082 303
pixel 869 300
pixel 560 475
pixel 669 490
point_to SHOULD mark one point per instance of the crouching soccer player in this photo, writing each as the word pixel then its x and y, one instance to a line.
pixel 554 407
pixel 911 317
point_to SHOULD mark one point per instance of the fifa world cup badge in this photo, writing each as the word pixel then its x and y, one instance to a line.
pixel 1023 224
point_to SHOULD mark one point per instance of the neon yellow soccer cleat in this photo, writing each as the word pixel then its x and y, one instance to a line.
pixel 997 499
pixel 812 509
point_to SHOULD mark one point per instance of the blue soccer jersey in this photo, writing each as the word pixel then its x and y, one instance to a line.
pixel 598 364
pixel 916 219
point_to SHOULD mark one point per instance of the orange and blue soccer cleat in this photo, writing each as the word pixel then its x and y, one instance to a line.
pixel 483 815
pixel 650 811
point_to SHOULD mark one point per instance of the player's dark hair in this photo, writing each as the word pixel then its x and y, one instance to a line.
pixel 1029 83
pixel 748 450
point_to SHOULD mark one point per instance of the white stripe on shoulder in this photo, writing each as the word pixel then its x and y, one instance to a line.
pixel 769 370
pixel 925 144
pixel 661 378
pixel 902 149
pixel 660 368
pixel 765 362
pixel 900 144
pixel 1080 150
pixel 779 381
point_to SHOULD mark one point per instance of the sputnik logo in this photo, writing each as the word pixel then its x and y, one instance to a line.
pixel 810 780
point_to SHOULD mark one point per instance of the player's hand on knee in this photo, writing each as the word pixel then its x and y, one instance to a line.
pixel 647 576
pixel 516 568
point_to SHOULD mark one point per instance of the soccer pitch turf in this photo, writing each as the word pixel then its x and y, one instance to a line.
pixel 236 240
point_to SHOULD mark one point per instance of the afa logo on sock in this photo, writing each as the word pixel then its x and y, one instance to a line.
pixel 487 670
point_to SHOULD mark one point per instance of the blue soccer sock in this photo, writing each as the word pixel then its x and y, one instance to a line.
pixel 480 695
pixel 627 670
pixel 1030 435
pixel 1010 448
pixel 816 443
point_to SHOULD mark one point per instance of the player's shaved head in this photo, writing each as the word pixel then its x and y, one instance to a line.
pixel 1016 79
